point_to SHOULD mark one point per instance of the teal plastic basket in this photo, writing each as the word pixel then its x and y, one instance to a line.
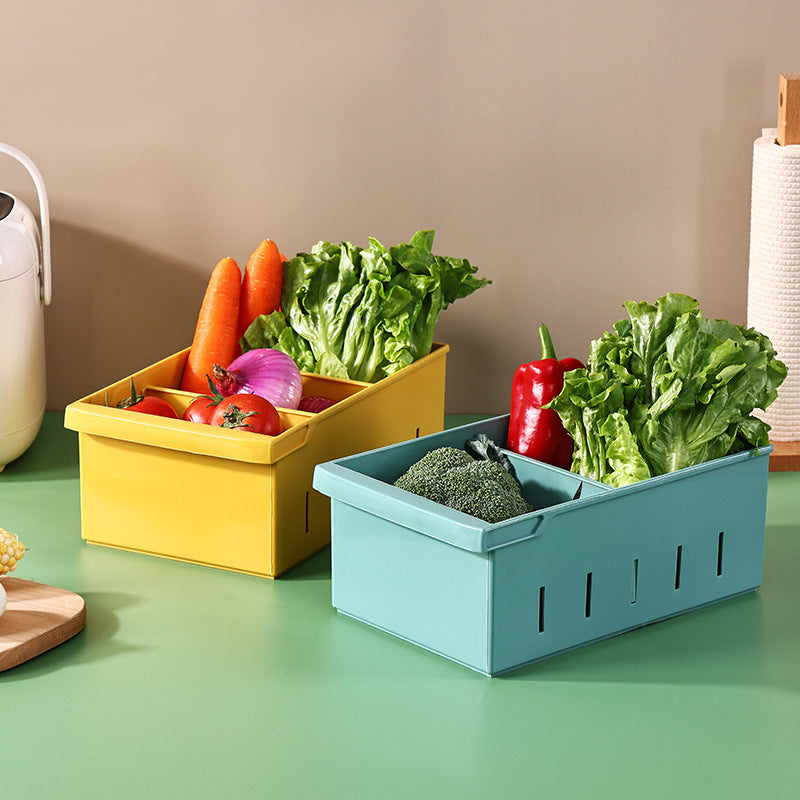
pixel 495 597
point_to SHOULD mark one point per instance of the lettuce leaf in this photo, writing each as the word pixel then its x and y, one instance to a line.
pixel 363 313
pixel 665 389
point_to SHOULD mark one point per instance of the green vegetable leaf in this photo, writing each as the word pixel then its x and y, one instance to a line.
pixel 666 389
pixel 363 313
pixel 625 462
pixel 271 330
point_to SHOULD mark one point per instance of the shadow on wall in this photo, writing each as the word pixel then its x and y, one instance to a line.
pixel 724 182
pixel 116 308
pixel 477 381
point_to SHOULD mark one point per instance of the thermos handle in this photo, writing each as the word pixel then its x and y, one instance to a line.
pixel 44 215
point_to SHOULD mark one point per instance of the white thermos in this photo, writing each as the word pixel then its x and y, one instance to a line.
pixel 25 289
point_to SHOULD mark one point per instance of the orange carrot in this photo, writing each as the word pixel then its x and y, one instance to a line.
pixel 262 283
pixel 215 340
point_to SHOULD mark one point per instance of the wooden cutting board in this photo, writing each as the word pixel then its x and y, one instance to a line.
pixel 37 618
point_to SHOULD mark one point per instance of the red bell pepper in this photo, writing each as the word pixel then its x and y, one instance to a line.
pixel 532 430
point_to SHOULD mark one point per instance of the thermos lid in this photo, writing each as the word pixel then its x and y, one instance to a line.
pixel 6 204
pixel 19 238
pixel 19 229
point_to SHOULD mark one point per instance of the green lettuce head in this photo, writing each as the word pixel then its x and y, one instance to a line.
pixel 665 389
pixel 363 313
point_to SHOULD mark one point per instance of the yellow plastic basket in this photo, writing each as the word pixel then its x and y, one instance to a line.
pixel 232 499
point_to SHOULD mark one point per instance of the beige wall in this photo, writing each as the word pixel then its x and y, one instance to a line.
pixel 579 153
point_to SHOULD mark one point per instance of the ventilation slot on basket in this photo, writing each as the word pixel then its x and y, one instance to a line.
pixel 417 436
pixel 678 557
pixel 635 581
pixel 719 554
pixel 588 595
pixel 541 609
pixel 307 530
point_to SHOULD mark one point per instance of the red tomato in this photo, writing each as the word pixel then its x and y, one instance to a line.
pixel 247 412
pixel 154 405
pixel 147 405
pixel 200 410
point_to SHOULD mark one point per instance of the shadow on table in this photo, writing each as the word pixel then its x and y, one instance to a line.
pixel 95 642
pixel 52 456
pixel 752 640
pixel 316 568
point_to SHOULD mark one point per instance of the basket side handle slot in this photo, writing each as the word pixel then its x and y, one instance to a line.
pixel 540 610
pixel 588 608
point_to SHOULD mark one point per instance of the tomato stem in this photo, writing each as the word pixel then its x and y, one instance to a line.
pixel 215 397
pixel 235 418
pixel 133 399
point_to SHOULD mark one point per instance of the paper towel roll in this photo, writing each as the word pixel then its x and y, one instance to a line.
pixel 773 293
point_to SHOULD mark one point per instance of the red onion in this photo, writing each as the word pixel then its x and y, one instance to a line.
pixel 270 374
pixel 314 403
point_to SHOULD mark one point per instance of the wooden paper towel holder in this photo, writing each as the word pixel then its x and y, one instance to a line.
pixel 786 455
pixel 789 108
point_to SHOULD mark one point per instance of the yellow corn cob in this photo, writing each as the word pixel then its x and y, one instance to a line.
pixel 11 551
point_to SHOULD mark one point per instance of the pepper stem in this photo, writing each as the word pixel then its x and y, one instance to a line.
pixel 548 351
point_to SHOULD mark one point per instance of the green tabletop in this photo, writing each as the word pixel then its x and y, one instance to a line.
pixel 192 682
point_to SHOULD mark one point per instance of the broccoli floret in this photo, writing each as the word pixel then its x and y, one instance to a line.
pixel 483 489
pixel 425 477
